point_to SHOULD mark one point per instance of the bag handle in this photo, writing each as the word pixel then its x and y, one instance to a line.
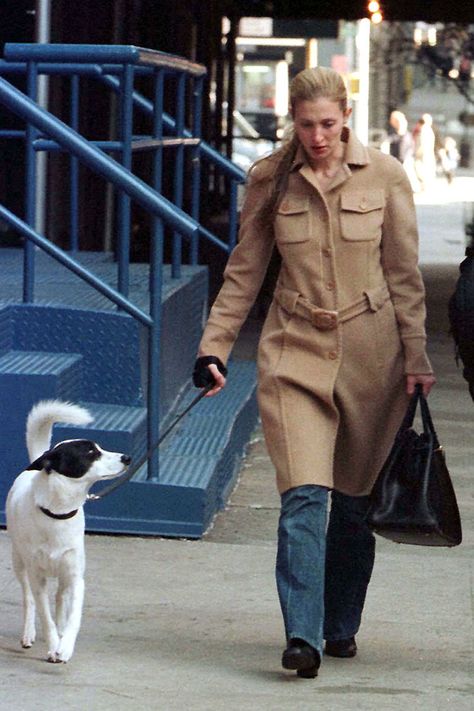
pixel 411 409
pixel 426 418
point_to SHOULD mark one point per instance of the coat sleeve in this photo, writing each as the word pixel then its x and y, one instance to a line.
pixel 400 265
pixel 243 275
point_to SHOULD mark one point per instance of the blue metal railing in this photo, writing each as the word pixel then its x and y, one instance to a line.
pixel 116 66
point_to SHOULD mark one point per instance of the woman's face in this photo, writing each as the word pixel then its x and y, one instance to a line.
pixel 318 126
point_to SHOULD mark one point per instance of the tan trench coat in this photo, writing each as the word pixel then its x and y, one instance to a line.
pixel 346 322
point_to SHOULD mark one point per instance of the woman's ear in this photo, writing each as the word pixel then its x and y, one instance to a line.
pixel 347 114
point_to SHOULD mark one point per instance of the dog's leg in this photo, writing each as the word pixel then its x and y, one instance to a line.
pixel 70 606
pixel 62 610
pixel 39 587
pixel 29 632
pixel 63 606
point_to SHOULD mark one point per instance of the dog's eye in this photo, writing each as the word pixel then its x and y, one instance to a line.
pixel 92 451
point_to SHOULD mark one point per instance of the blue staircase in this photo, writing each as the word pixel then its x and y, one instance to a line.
pixel 72 345
pixel 68 331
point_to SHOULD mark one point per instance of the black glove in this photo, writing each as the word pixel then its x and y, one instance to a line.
pixel 202 376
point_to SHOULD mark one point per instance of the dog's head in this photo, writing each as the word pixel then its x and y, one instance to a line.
pixel 81 458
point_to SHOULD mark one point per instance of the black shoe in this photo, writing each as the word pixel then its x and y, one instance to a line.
pixel 344 648
pixel 302 657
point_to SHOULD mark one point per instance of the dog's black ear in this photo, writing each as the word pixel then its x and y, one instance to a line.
pixel 43 462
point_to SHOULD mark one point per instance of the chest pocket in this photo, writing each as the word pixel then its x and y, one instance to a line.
pixel 362 215
pixel 292 223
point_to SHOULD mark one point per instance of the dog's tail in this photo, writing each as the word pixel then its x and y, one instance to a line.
pixel 41 419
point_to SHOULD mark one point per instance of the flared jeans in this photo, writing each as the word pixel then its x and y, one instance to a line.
pixel 322 569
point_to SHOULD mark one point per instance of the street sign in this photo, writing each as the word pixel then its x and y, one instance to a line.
pixel 306 28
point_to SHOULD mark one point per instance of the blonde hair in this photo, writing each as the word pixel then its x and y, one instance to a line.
pixel 318 82
pixel 308 85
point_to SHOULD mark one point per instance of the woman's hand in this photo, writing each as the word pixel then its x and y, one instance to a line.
pixel 209 372
pixel 219 380
pixel 427 381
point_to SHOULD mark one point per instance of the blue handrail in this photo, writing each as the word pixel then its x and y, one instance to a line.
pixel 105 73
pixel 95 158
pixel 63 258
pixel 90 53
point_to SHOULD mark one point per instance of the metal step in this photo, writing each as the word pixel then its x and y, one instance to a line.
pixel 199 464
pixel 59 371
pixel 25 378
pixel 118 428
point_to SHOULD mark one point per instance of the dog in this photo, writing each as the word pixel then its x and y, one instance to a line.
pixel 45 521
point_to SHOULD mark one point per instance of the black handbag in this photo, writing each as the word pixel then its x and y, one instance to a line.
pixel 413 499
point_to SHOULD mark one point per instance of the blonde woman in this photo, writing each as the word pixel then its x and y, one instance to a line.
pixel 341 350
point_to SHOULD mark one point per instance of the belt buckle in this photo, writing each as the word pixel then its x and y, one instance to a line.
pixel 324 321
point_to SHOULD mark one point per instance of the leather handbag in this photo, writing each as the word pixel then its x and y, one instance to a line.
pixel 413 500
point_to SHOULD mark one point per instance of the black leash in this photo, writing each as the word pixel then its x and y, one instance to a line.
pixel 130 472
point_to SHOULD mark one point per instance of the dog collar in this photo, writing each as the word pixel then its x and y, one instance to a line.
pixel 60 517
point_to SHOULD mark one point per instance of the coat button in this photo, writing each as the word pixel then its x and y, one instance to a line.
pixel 327 252
pixel 332 355
pixel 284 206
pixel 330 286
pixel 363 204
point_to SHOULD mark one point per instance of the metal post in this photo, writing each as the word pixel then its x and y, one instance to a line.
pixel 30 189
pixel 179 172
pixel 123 227
pixel 233 215
pixel 74 170
pixel 196 164
pixel 361 121
pixel 231 55
pixel 220 83
pixel 156 278
pixel 42 35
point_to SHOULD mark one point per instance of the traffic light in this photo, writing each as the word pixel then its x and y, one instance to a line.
pixel 375 12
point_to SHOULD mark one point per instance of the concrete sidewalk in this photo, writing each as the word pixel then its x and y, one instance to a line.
pixel 173 625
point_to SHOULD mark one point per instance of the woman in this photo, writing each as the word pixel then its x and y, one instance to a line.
pixel 425 153
pixel 341 350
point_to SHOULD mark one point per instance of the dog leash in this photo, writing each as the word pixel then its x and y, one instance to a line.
pixel 130 472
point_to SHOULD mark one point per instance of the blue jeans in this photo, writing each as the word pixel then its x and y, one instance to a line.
pixel 323 573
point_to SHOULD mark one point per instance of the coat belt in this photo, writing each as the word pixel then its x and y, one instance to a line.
pixel 324 319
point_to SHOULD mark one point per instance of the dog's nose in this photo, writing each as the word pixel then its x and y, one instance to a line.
pixel 125 459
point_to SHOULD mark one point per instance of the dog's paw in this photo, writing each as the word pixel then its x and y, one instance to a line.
pixel 54 658
pixel 27 641
pixel 65 650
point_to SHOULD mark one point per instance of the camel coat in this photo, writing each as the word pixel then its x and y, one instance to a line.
pixel 346 322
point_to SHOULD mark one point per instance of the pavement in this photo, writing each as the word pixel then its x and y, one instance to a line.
pixel 176 624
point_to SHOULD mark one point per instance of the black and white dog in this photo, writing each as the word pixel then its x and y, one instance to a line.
pixel 45 520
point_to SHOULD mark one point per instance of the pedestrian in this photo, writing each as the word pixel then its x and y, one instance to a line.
pixel 461 317
pixel 400 139
pixel 425 154
pixel 401 145
pixel 341 349
pixel 449 157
